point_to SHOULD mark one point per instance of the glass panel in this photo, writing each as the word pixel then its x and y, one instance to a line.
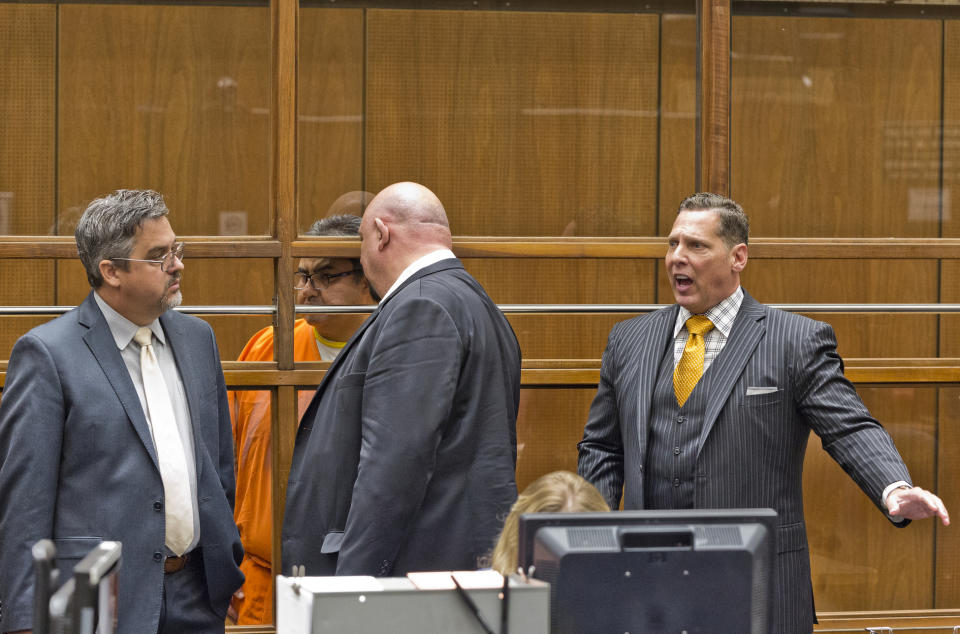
pixel 541 123
pixel 330 105
pixel 172 98
pixel 836 126
pixel 859 561
pixel 27 126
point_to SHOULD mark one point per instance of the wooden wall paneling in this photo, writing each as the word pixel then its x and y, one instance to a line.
pixel 951 129
pixel 564 336
pixel 949 294
pixel 330 112
pixel 678 111
pixel 835 124
pixel 852 281
pixel 522 123
pixel 860 560
pixel 172 98
pixel 27 112
pixel 947 486
pixel 24 283
pixel 549 426
pixel 564 281
pixel 12 327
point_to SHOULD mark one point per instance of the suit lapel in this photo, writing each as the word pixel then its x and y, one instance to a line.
pixel 748 329
pixel 101 343
pixel 344 353
pixel 647 365
pixel 339 360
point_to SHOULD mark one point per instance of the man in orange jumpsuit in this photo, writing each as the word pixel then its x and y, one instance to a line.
pixel 318 337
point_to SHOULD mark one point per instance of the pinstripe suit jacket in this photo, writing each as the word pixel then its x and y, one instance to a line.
pixel 751 448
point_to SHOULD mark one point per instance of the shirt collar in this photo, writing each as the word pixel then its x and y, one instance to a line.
pixel 722 315
pixel 122 328
pixel 420 263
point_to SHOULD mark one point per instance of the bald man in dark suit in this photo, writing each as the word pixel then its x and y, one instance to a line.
pixel 404 460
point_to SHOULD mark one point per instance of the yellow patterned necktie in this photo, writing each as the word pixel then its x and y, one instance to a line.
pixel 690 367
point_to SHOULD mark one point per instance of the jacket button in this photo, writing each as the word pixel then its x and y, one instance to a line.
pixel 158 506
pixel 158 556
pixel 680 419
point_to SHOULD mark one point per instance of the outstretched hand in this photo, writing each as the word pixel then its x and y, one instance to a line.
pixel 916 504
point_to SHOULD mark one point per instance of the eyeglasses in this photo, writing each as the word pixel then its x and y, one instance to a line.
pixel 166 262
pixel 318 281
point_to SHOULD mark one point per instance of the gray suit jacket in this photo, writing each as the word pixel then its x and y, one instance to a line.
pixel 77 463
pixel 751 447
pixel 405 458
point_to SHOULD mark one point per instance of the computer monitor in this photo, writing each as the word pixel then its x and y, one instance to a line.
pixel 654 571
pixel 87 603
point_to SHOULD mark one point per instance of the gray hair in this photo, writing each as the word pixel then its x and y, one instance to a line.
pixel 734 224
pixel 345 225
pixel 342 225
pixel 109 225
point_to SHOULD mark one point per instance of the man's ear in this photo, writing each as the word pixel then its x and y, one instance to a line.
pixel 739 254
pixel 108 271
pixel 383 234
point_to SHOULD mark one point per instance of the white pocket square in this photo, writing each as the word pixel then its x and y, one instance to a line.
pixel 753 391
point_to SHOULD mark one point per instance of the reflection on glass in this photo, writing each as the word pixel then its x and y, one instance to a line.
pixel 546 124
pixel 835 125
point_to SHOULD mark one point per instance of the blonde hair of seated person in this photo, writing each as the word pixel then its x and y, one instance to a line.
pixel 559 491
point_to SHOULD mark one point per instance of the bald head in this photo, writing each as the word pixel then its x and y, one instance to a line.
pixel 352 203
pixel 402 223
pixel 411 203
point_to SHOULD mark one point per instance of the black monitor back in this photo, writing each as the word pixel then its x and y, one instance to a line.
pixel 654 571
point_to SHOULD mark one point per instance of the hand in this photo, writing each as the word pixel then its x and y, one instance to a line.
pixel 233 611
pixel 916 504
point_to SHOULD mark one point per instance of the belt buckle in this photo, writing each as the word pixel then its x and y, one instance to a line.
pixel 175 564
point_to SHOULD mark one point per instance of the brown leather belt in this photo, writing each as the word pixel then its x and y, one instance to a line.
pixel 175 564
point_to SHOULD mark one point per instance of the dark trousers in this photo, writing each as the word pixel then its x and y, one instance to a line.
pixel 186 604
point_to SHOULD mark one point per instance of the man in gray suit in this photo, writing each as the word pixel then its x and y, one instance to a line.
pixel 106 438
pixel 736 437
pixel 405 458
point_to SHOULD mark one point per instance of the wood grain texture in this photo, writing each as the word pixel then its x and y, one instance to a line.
pixel 678 108
pixel 27 124
pixel 947 486
pixel 564 282
pixel 522 123
pixel 713 166
pixel 834 126
pixel 950 203
pixel 331 109
pixel 859 560
pixel 171 98
pixel 549 426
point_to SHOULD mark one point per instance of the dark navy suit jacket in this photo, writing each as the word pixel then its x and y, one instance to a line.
pixel 405 458
pixel 751 445
pixel 77 463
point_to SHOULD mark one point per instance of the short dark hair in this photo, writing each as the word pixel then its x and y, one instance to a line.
pixel 339 225
pixel 109 225
pixel 734 224
pixel 343 225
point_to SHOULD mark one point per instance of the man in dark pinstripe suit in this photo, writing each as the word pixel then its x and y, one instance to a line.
pixel 737 440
